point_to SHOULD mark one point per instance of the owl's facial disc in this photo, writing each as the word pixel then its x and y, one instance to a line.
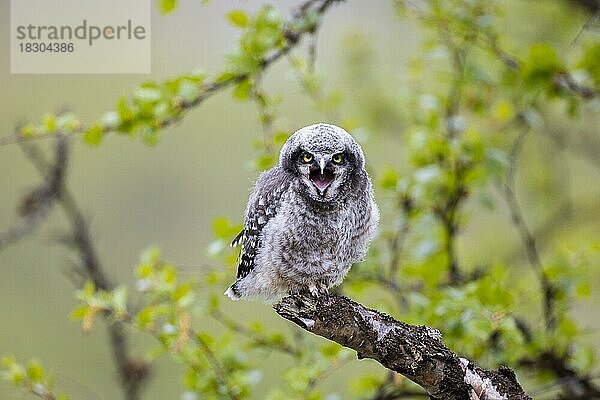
pixel 322 173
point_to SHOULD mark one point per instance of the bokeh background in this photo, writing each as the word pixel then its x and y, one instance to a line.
pixel 168 195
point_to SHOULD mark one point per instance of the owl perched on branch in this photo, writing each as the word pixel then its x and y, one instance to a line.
pixel 308 219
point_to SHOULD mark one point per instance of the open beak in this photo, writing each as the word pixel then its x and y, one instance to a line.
pixel 321 177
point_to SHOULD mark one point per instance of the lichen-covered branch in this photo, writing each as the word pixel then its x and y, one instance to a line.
pixel 416 352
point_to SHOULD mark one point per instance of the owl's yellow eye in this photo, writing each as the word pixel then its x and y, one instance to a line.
pixel 307 157
pixel 337 159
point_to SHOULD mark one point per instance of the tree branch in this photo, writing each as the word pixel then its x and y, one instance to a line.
pixel 562 80
pixel 133 372
pixel 416 352
pixel 36 205
pixel 208 89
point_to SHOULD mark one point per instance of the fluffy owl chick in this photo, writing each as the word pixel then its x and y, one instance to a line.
pixel 308 219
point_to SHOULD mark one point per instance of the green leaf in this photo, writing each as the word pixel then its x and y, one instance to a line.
pixel 503 110
pixel 243 89
pixel 169 276
pixel 331 349
pixel 225 76
pixel 241 63
pixel 80 312
pixel 17 375
pixel 14 371
pixel 125 112
pixel 568 328
pixel 584 290
pixel 269 18
pixel 184 295
pixel 49 123
pixel 238 18
pixel 539 68
pixel 543 55
pixel 94 135
pixel 8 361
pixel 145 318
pixel 29 130
pixel 89 289
pixel 35 371
pixel 590 61
pixel 214 302
pixel 265 161
pixel 365 385
pixel 222 228
pixel 583 358
pixel 389 178
pixel 167 6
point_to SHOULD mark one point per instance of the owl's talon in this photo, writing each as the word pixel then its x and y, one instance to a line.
pixel 322 289
pixel 318 291
pixel 314 291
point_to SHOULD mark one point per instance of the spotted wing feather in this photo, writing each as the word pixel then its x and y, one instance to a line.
pixel 263 206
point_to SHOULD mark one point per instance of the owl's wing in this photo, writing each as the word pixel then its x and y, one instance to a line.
pixel 263 205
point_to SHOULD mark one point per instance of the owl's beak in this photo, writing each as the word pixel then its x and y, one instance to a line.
pixel 322 164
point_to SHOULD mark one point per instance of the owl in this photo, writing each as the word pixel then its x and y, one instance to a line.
pixel 308 219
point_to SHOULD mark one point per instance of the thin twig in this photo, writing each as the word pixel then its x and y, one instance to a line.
pixel 561 80
pixel 312 51
pixel 323 375
pixel 449 212
pixel 397 242
pixel 591 21
pixel 217 367
pixel 265 114
pixel 573 384
pixel 256 338
pixel 529 240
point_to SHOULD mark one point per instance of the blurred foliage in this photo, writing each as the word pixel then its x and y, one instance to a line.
pixel 473 94
pixel 32 377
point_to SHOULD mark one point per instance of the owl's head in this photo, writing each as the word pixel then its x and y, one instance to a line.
pixel 326 159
